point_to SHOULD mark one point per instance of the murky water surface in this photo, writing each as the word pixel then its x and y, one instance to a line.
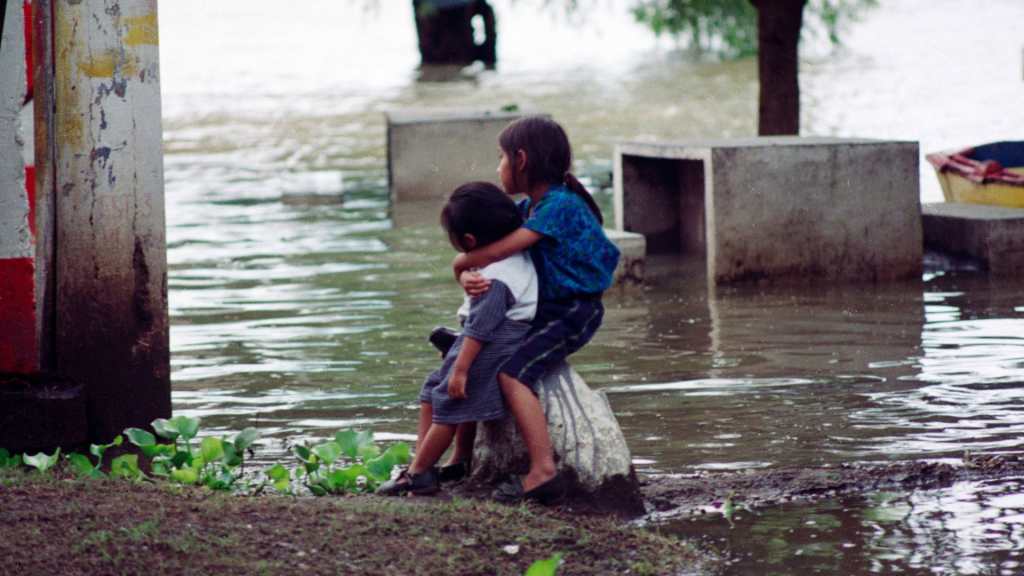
pixel 297 305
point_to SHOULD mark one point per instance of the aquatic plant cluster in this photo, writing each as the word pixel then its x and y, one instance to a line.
pixel 351 463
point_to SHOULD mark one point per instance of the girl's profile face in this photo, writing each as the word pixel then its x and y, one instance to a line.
pixel 505 172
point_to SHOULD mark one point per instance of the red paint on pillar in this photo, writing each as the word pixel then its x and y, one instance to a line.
pixel 30 191
pixel 29 70
pixel 18 351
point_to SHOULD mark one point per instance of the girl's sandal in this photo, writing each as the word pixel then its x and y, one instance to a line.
pixel 454 472
pixel 549 493
pixel 422 484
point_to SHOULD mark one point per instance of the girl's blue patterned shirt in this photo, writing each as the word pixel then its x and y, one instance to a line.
pixel 574 257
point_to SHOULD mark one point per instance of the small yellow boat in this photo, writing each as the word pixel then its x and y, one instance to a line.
pixel 987 174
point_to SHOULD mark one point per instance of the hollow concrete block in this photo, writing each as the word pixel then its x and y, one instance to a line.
pixel 992 235
pixel 633 255
pixel 430 152
pixel 781 207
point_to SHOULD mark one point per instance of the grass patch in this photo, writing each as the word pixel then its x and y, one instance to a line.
pixel 105 526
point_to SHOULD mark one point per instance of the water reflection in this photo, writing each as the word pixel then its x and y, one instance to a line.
pixel 969 528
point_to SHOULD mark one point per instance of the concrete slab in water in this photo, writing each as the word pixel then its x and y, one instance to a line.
pixel 430 152
pixel 765 208
pixel 993 235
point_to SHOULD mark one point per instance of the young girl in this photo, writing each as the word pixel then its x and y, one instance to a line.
pixel 465 389
pixel 575 262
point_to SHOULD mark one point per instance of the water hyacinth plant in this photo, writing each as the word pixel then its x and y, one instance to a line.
pixel 350 463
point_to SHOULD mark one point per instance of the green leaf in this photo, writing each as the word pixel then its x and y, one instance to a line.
pixel 349 442
pixel 317 490
pixel 547 567
pixel 280 477
pixel 159 469
pixel 245 438
pixel 369 451
pixel 187 427
pixel 9 461
pixel 181 459
pixel 42 461
pixel 82 466
pixel 126 466
pixel 352 473
pixel 139 437
pixel 166 428
pixel 158 450
pixel 301 452
pixel 328 452
pixel 232 457
pixel 212 449
pixel 185 475
pixel 380 467
pixel 401 452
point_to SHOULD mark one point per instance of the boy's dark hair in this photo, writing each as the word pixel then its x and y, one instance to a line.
pixel 480 209
pixel 548 153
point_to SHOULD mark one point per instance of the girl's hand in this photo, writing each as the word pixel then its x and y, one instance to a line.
pixel 457 385
pixel 474 283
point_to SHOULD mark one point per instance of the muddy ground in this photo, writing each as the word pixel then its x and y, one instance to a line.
pixel 55 525
pixel 671 496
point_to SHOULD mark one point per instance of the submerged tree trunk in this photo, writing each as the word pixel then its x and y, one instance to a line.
pixel 445 30
pixel 778 37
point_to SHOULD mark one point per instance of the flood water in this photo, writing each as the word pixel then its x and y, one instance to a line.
pixel 301 313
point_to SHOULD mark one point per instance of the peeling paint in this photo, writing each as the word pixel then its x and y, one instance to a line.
pixel 140 30
pixel 109 64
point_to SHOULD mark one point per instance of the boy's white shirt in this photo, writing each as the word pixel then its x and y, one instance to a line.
pixel 516 272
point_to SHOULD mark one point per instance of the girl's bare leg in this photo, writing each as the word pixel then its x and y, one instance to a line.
pixel 426 419
pixel 465 436
pixel 533 426
pixel 432 447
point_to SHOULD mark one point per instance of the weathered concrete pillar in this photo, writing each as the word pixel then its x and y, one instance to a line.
pixel 19 320
pixel 111 279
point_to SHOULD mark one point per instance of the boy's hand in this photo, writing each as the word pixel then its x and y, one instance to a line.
pixel 457 385
pixel 474 283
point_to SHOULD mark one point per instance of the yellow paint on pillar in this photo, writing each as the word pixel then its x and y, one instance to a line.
pixel 108 64
pixel 69 125
pixel 140 30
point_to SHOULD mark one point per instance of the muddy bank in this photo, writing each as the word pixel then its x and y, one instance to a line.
pixel 55 525
pixel 672 495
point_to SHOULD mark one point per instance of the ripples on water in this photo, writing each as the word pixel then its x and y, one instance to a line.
pixel 298 307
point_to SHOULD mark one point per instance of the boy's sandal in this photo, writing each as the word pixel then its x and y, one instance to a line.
pixel 453 472
pixel 443 339
pixel 422 484
pixel 549 493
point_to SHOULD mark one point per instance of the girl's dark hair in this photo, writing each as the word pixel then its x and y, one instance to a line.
pixel 481 209
pixel 548 155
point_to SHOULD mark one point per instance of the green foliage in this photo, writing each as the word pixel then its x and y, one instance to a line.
pixel 42 461
pixel 351 463
pixel 729 27
pixel 7 460
pixel 547 567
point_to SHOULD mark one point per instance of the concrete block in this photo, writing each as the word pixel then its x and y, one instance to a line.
pixel 992 235
pixel 633 258
pixel 430 152
pixel 781 207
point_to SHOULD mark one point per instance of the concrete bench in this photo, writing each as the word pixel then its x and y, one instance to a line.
pixel 992 235
pixel 777 207
pixel 431 152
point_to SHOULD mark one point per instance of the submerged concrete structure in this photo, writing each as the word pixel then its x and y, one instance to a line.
pixel 86 219
pixel 772 208
pixel 430 152
pixel 991 235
